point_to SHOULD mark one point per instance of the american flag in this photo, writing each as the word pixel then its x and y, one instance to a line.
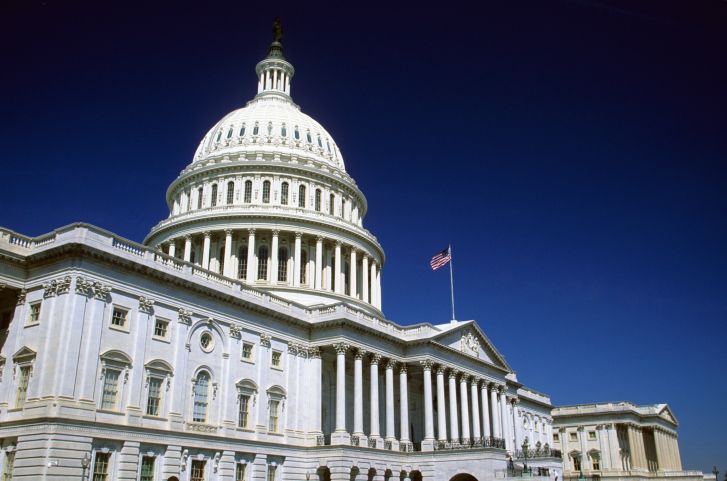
pixel 441 259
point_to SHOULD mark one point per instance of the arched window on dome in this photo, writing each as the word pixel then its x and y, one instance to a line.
pixel 200 390
pixel 219 136
pixel 242 130
pixel 266 192
pixel 188 193
pixel 262 263
pixel 221 260
pixel 346 279
pixel 320 145
pixel 270 128
pixel 283 131
pixel 284 193
pixel 229 133
pixel 200 196
pixel 328 145
pixel 213 196
pixel 308 137
pixel 303 267
pixel 256 129
pixel 333 273
pixel 242 263
pixel 296 133
pixel 301 196
pixel 332 204
pixel 343 207
pixel 230 192
pixel 318 200
pixel 283 264
pixel 248 191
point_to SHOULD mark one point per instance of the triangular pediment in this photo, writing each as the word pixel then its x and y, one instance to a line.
pixel 468 338
pixel 24 353
pixel 668 415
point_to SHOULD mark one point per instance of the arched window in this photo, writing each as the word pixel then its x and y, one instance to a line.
pixel 319 141
pixel 199 198
pixel 283 131
pixel 266 192
pixel 248 191
pixel 296 133
pixel 255 129
pixel 270 128
pixel 346 279
pixel 201 397
pixel 303 267
pixel 219 136
pixel 189 200
pixel 328 144
pixel 242 130
pixel 318 200
pixel 242 262
pixel 192 256
pixel 343 207
pixel 301 196
pixel 333 274
pixel 262 263
pixel 284 193
pixel 229 133
pixel 332 204
pixel 282 264
pixel 308 137
pixel 230 192
pixel 222 260
pixel 213 197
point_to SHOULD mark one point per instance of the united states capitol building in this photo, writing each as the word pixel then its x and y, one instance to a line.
pixel 244 340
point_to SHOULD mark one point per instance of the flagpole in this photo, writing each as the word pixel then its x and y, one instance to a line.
pixel 451 280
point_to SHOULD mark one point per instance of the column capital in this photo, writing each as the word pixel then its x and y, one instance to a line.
pixel 426 364
pixel 298 235
pixel 465 378
pixel 314 352
pixel 341 347
pixel 561 430
pixel 360 353
pixel 514 400
pixel 276 232
pixel 251 231
pixel 403 368
pixel 375 359
pixel 206 234
pixel 580 428
pixel 319 239
pixel 502 389
pixel 391 363
pixel 228 232
pixel 453 373
pixel 187 237
pixel 441 369
pixel 338 244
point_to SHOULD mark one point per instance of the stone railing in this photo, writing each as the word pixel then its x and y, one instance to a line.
pixel 537 453
pixel 474 443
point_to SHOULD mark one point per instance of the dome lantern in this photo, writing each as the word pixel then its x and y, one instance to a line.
pixel 274 72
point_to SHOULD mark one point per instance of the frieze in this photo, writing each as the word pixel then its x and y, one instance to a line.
pixel 200 428
pixel 470 344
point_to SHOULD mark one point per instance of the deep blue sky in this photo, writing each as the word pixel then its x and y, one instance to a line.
pixel 573 152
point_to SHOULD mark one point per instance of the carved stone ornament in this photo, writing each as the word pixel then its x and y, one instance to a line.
pixel 185 316
pixel 391 363
pixel 360 353
pixel 57 287
pixel 264 339
pixel 146 304
pixel 314 352
pixel 426 364
pixel 341 347
pixel 21 296
pixel 470 344
pixel 100 291
pixel 235 330
pixel 375 358
pixel 83 286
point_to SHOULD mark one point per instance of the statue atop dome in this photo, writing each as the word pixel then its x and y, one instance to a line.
pixel 277 30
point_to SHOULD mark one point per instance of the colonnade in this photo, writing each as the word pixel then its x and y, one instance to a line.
pixel 322 264
pixel 488 425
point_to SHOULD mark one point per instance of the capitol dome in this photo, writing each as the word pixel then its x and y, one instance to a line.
pixel 267 200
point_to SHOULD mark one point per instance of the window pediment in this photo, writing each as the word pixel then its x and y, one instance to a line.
pixel 24 354
pixel 116 357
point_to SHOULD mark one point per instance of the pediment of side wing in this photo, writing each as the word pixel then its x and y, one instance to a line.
pixel 469 339
pixel 667 414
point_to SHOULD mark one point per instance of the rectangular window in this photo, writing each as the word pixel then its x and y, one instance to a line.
pixel 244 413
pixel 573 436
pixel 273 424
pixel 23 381
pixel 247 351
pixel 556 438
pixel 240 472
pixel 271 473
pixel 161 328
pixel 596 463
pixel 118 318
pixel 576 463
pixel 34 314
pixel 9 464
pixel 147 469
pixel 110 394
pixel 154 398
pixel 197 470
pixel 101 466
pixel 592 435
pixel 277 359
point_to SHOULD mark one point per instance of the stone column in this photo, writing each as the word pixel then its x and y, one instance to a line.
pixel 428 441
pixel 453 421
pixel 274 258
pixel 228 254
pixel 206 251
pixel 485 411
pixel 476 435
pixel 441 407
pixel 319 262
pixel 314 354
pixel 353 274
pixel 390 426
pixel 503 418
pixel 342 437
pixel 378 288
pixel 585 465
pixel 358 393
pixel 172 248
pixel 564 448
pixel 373 283
pixel 297 260
pixel 251 256
pixel 337 273
pixel 403 404
pixel 496 432
pixel 464 408
pixel 187 248
pixel 613 448
pixel 365 278
pixel 515 434
pixel 374 427
pixel 603 447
